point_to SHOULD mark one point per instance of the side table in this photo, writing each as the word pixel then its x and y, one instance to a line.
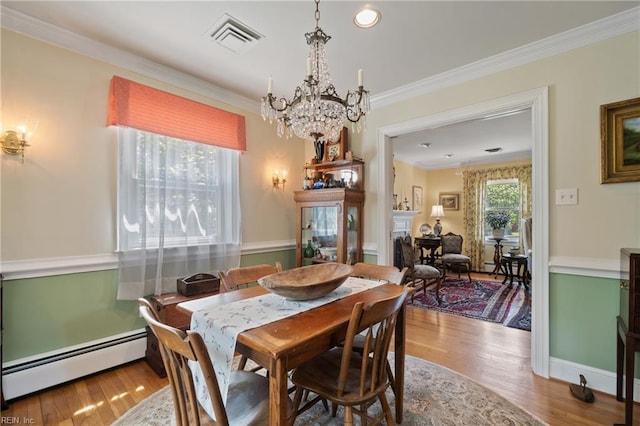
pixel 521 268
pixel 497 257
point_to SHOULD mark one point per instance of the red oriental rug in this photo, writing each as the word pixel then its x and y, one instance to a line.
pixel 479 299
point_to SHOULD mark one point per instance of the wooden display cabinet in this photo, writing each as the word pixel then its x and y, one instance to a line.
pixel 351 171
pixel 326 219
pixel 628 328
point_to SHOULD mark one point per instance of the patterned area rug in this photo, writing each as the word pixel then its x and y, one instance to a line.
pixel 480 299
pixel 434 395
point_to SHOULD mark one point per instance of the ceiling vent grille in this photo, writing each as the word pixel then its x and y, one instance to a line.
pixel 232 34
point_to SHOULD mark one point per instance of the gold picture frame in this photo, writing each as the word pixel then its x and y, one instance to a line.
pixel 416 202
pixel 449 200
pixel 620 141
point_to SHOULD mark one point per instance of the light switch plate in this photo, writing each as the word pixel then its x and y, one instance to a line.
pixel 565 197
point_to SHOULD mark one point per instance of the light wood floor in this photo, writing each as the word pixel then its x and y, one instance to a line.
pixel 496 356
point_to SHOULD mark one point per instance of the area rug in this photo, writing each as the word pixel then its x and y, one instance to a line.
pixel 485 300
pixel 434 395
pixel 520 312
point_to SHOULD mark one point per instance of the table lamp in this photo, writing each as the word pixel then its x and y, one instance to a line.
pixel 437 212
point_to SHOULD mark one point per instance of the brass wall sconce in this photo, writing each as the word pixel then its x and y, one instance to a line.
pixel 14 142
pixel 279 178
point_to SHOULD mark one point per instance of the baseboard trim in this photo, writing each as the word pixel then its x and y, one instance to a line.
pixel 597 379
pixel 34 374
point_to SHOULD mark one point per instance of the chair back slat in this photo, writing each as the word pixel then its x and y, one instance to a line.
pixel 242 276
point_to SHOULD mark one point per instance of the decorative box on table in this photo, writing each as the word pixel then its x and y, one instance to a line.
pixel 198 284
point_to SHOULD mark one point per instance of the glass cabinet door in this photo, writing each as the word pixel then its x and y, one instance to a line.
pixel 353 235
pixel 320 232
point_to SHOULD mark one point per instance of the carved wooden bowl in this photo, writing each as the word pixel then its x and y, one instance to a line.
pixel 307 282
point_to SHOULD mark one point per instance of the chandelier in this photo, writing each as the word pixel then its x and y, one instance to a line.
pixel 316 112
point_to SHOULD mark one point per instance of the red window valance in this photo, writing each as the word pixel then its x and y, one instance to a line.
pixel 144 108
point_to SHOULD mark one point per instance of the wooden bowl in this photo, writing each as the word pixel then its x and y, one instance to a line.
pixel 307 282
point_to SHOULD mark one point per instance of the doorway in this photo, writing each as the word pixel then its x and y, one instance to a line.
pixel 537 101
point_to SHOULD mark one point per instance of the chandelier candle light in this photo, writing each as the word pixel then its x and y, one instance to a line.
pixel 316 112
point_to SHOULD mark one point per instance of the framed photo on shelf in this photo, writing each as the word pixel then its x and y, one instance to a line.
pixel 449 200
pixel 336 150
pixel 416 204
pixel 620 141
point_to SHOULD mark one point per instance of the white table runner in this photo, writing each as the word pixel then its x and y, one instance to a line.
pixel 219 327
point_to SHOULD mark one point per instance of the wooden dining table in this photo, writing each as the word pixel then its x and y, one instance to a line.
pixel 284 344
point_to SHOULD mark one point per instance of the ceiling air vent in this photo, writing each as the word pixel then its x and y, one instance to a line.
pixel 492 150
pixel 234 35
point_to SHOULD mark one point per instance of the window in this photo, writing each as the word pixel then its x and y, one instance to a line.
pixel 170 191
pixel 504 195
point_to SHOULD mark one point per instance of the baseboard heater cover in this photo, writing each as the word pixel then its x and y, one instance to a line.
pixel 37 374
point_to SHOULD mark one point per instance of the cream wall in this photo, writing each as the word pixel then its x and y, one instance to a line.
pixel 62 201
pixel 579 82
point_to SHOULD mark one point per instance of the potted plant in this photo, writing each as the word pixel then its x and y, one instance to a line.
pixel 498 221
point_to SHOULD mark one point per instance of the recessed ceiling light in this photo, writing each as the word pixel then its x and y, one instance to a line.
pixel 425 144
pixel 448 155
pixel 492 150
pixel 367 17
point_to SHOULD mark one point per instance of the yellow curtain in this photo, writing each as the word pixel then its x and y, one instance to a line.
pixel 474 188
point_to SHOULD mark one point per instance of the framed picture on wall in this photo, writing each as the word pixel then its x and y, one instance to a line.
pixel 620 141
pixel 417 199
pixel 450 200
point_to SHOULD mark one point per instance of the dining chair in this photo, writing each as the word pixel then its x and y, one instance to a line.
pixel 452 257
pixel 387 273
pixel 418 275
pixel 349 378
pixel 243 276
pixel 392 275
pixel 248 395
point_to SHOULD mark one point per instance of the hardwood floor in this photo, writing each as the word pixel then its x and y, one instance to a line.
pixel 498 357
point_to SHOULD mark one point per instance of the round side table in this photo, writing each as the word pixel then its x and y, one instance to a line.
pixel 520 261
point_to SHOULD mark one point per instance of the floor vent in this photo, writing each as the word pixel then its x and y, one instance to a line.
pixel 232 34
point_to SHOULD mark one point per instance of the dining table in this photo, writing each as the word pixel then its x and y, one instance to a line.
pixel 282 345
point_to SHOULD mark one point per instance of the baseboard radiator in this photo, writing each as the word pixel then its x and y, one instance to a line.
pixel 34 374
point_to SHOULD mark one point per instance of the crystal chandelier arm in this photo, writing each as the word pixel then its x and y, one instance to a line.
pixel 357 104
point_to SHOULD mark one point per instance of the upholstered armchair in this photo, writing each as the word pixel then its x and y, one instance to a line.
pixel 452 257
pixel 418 275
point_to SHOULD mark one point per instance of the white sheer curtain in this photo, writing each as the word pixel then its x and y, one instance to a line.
pixel 178 211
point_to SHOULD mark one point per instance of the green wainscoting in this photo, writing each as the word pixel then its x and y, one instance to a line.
pixel 582 314
pixel 50 313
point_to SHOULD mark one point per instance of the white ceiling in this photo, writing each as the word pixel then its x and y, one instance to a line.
pixel 416 40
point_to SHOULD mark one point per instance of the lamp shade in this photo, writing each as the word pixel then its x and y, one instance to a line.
pixel 437 211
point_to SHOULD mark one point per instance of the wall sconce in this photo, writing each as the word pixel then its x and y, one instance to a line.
pixel 279 178
pixel 437 211
pixel 14 142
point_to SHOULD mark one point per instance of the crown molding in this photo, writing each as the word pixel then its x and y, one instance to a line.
pixel 57 36
pixel 603 29
pixel 594 32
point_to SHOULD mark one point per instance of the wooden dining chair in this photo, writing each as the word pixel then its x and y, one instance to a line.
pixel 247 396
pixel 392 275
pixel 349 378
pixel 387 273
pixel 243 276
